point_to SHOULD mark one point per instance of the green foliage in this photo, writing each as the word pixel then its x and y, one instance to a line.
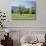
pixel 22 10
pixel 12 11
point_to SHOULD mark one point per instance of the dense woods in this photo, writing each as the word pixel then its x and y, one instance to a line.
pixel 24 10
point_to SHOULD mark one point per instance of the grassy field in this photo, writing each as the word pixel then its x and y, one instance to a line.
pixel 23 16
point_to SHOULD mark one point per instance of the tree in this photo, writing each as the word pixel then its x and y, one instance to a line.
pixel 20 10
pixel 34 8
pixel 12 11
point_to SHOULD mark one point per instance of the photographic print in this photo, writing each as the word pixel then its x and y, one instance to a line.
pixel 23 10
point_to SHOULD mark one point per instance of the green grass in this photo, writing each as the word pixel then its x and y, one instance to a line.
pixel 23 16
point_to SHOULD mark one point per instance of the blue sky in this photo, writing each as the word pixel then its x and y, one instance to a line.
pixel 24 3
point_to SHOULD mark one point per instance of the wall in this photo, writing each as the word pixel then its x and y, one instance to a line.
pixel 40 16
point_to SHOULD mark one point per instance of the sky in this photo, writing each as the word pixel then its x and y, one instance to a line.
pixel 24 3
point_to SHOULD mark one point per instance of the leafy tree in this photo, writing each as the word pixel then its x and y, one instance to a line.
pixel 12 11
pixel 20 10
pixel 33 10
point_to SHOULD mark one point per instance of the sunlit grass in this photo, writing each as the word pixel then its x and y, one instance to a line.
pixel 23 16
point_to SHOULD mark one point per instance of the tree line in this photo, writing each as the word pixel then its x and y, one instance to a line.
pixel 24 10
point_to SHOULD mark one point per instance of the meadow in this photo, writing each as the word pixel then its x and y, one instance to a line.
pixel 23 16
